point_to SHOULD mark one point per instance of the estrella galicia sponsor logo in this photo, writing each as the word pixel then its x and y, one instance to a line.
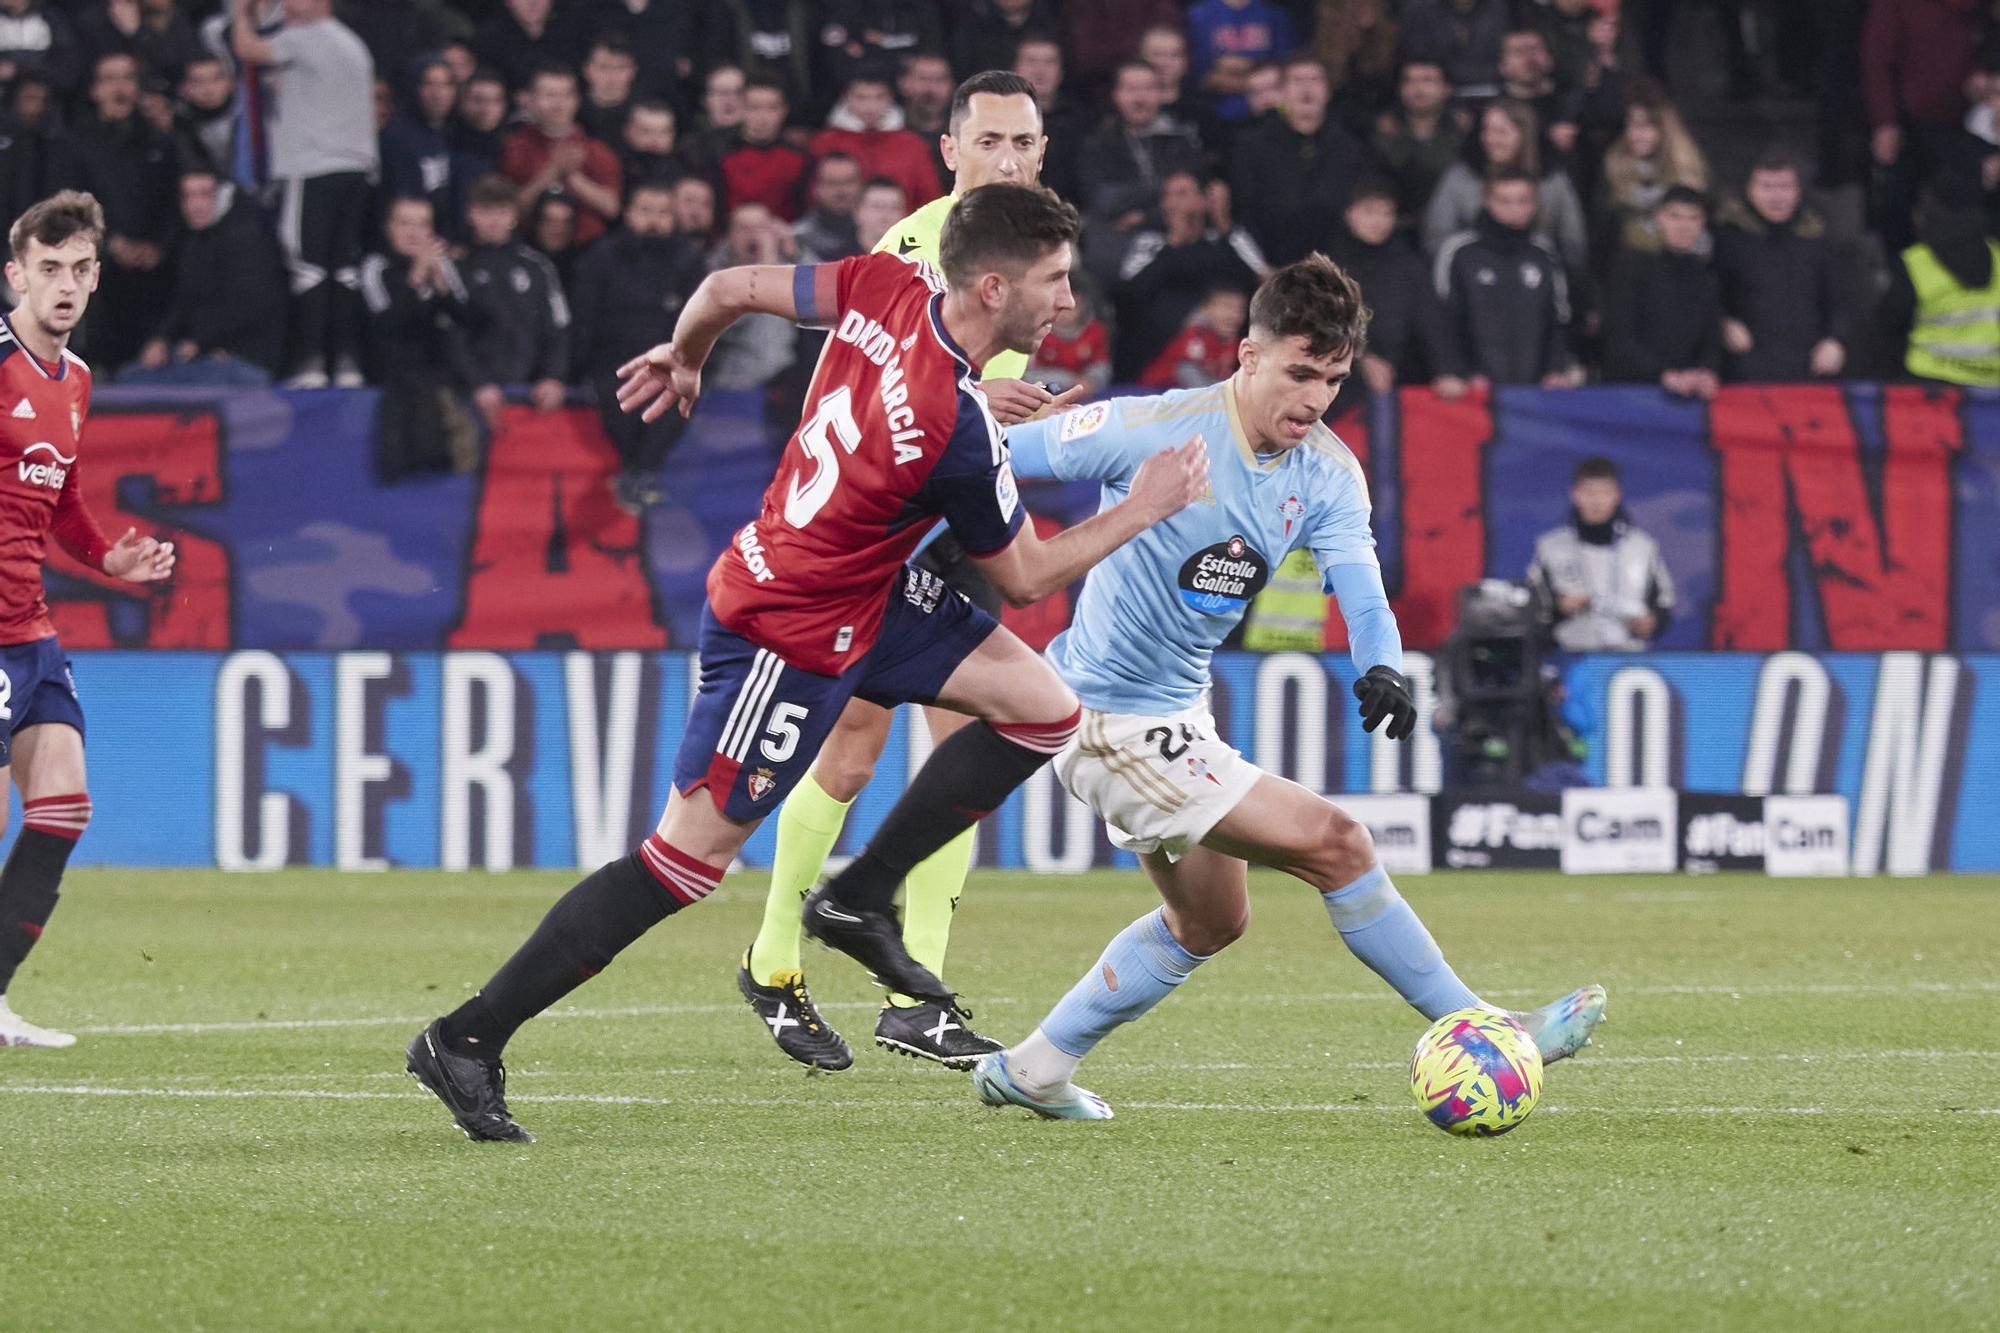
pixel 1221 579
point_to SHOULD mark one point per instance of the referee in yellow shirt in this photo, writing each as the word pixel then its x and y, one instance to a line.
pixel 994 136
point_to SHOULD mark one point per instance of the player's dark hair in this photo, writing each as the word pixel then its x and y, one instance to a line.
pixel 1003 225
pixel 1594 468
pixel 995 83
pixel 1682 194
pixel 492 191
pixel 1315 299
pixel 56 219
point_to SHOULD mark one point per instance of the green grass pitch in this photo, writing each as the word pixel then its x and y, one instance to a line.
pixel 1792 1120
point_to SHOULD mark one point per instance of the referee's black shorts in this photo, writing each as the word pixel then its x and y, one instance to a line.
pixel 947 559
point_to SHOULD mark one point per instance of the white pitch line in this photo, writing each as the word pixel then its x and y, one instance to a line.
pixel 617 1099
pixel 1324 997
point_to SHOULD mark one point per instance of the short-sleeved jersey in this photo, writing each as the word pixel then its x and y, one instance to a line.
pixel 1153 612
pixel 42 408
pixel 918 236
pixel 895 436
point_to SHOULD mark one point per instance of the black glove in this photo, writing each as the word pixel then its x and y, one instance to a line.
pixel 1385 694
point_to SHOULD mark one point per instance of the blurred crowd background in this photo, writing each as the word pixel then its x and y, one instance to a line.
pixel 488 199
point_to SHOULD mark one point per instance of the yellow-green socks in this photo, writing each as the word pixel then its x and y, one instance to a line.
pixel 930 896
pixel 808 827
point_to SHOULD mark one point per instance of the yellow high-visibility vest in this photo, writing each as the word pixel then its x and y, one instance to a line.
pixel 1289 615
pixel 1956 336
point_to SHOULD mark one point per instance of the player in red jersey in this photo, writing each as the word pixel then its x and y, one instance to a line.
pixel 812 604
pixel 44 396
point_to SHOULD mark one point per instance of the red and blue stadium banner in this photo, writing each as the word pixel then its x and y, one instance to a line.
pixel 371 758
pixel 1825 518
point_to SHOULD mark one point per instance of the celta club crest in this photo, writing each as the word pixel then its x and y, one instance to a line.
pixel 1291 510
pixel 1198 769
pixel 1236 548
pixel 760 783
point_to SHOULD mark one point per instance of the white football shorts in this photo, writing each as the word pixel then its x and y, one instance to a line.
pixel 1160 784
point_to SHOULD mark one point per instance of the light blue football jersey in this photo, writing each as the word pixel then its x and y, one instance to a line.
pixel 1153 612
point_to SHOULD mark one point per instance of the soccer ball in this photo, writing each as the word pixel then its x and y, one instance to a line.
pixel 1476 1072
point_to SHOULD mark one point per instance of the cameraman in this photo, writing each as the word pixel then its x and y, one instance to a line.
pixel 1601 578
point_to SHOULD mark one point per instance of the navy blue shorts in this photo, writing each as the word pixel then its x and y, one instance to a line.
pixel 757 722
pixel 35 687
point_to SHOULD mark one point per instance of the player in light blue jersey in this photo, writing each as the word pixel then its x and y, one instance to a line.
pixel 1147 757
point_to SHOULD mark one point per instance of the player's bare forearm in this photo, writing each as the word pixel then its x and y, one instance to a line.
pixel 727 295
pixel 1029 569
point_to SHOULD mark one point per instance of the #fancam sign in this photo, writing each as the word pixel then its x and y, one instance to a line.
pixel 1616 831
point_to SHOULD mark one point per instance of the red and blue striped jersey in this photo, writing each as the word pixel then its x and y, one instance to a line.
pixel 896 435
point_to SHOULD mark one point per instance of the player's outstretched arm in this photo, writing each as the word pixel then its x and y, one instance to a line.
pixel 1029 569
pixel 669 375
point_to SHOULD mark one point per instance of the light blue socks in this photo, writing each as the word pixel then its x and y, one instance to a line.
pixel 1140 967
pixel 1384 933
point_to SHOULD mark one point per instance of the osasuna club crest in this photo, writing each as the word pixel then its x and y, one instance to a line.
pixel 1222 578
pixel 760 783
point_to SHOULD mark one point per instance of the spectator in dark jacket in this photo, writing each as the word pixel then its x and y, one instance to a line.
pixel 1784 319
pixel 1463 36
pixel 36 38
pixel 1407 325
pixel 609 72
pixel 34 152
pixel 1291 174
pixel 873 35
pixel 130 167
pixel 762 168
pixel 1506 299
pixel 417 160
pixel 1916 57
pixel 1418 141
pixel 153 32
pixel 662 35
pixel 205 117
pixel 1167 273
pixel 417 308
pixel 628 294
pixel 827 231
pixel 1125 161
pixel 226 322
pixel 479 128
pixel 1041 62
pixel 517 329
pixel 649 145
pixel 991 31
pixel 523 38
pixel 1663 309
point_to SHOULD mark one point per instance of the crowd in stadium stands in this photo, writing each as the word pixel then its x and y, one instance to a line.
pixel 449 198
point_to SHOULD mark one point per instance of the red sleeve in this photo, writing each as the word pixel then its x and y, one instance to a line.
pixel 75 530
pixel 1881 56
pixel 604 168
pixel 517 159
